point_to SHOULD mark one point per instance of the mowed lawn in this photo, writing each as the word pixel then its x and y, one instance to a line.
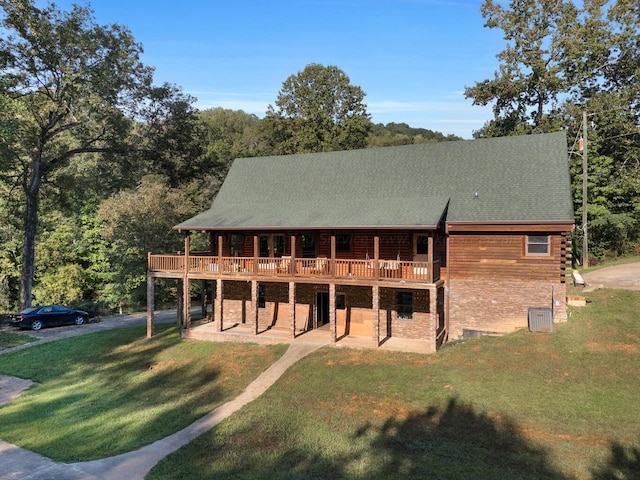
pixel 111 392
pixel 522 406
pixel 560 405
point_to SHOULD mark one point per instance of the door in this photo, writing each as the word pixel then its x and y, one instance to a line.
pixel 322 309
pixel 420 248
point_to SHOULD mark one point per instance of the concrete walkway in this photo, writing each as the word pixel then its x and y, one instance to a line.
pixel 19 464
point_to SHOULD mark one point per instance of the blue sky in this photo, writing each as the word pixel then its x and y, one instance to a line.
pixel 412 58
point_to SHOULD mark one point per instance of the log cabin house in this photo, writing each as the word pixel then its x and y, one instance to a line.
pixel 424 242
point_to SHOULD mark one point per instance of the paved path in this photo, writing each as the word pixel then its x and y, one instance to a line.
pixel 624 277
pixel 19 464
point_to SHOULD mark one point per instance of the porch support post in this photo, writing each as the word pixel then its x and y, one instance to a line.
pixel 376 255
pixel 333 255
pixel 292 268
pixel 186 285
pixel 433 314
pixel 180 302
pixel 332 312
pixel 256 253
pixel 219 254
pixel 186 302
pixel 254 305
pixel 217 316
pixel 430 258
pixel 150 305
pixel 375 294
pixel 292 308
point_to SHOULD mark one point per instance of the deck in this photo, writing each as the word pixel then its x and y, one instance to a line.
pixel 297 269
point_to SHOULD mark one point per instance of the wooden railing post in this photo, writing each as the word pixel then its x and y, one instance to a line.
pixel 292 267
pixel 376 256
pixel 332 266
pixel 256 253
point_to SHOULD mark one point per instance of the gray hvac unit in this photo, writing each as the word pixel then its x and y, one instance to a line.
pixel 540 319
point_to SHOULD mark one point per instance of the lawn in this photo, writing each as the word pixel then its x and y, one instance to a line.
pixel 529 406
pixel 110 392
pixel 11 339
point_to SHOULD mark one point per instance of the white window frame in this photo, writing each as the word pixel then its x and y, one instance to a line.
pixel 536 241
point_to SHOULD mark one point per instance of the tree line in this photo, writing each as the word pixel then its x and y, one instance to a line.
pixel 97 162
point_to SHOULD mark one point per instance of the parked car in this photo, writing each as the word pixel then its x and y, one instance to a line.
pixel 36 318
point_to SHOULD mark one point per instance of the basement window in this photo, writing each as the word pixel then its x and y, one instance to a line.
pixel 538 245
pixel 404 305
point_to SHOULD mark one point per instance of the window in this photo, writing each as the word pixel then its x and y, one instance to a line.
pixel 308 246
pixel 271 246
pixel 404 305
pixel 422 245
pixel 343 243
pixel 262 297
pixel 263 245
pixel 538 245
pixel 235 245
pixel 278 246
pixel 340 301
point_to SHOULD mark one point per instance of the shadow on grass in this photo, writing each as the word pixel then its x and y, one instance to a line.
pixel 109 399
pixel 453 443
pixel 623 464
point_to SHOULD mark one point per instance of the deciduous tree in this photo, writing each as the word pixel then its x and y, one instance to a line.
pixel 318 110
pixel 80 88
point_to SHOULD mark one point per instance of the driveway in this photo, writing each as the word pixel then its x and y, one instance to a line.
pixel 624 277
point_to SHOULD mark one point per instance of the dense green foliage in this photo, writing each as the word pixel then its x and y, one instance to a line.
pixel 97 163
pixel 318 110
pixel 563 58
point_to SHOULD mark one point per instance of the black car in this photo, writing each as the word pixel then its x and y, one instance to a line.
pixel 36 318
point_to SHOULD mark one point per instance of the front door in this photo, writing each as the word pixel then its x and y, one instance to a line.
pixel 322 309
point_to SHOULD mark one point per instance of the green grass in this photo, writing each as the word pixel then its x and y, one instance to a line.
pixel 529 406
pixel 111 392
pixel 10 339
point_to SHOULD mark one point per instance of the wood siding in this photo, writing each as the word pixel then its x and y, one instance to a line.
pixel 504 256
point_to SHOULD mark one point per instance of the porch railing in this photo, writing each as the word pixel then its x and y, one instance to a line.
pixel 301 267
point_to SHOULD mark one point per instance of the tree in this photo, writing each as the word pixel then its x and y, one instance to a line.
pixel 560 61
pixel 79 88
pixel 135 222
pixel 318 110
pixel 532 74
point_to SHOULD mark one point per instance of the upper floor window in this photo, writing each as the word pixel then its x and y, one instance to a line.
pixel 271 245
pixel 235 245
pixel 343 243
pixel 308 246
pixel 538 245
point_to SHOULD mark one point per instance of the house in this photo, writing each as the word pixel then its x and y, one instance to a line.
pixel 423 242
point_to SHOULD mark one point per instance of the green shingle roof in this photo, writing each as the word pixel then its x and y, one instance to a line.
pixel 495 180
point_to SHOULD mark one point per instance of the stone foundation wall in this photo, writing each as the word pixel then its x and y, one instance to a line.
pixel 499 305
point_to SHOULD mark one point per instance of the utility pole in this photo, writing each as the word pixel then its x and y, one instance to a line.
pixel 585 241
